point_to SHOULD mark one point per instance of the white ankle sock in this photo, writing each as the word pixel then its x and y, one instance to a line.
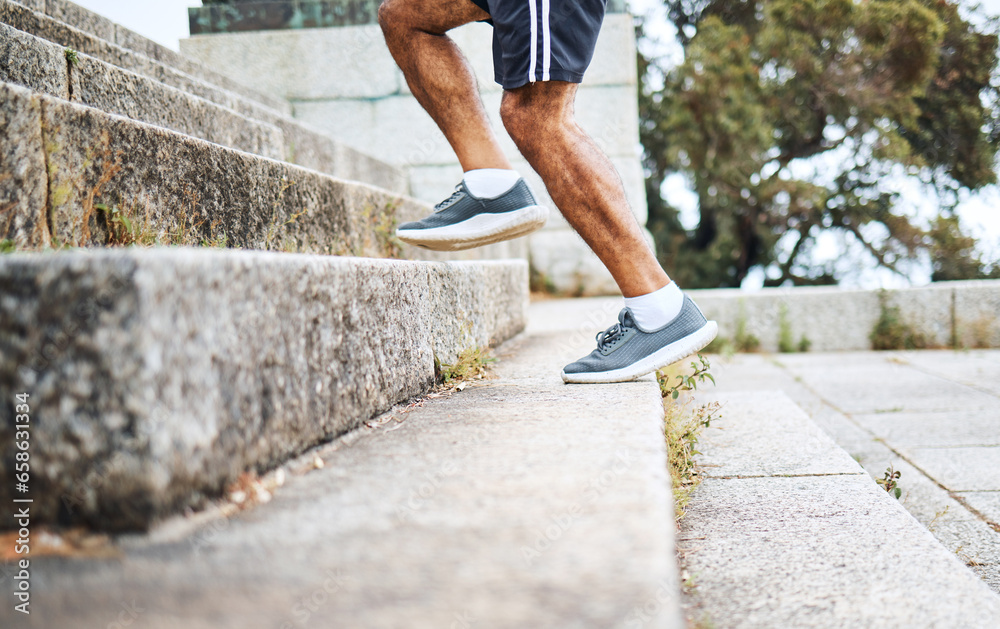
pixel 487 183
pixel 656 309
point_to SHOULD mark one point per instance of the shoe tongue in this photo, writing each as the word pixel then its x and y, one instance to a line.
pixel 626 318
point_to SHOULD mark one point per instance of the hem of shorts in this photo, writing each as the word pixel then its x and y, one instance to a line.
pixel 554 75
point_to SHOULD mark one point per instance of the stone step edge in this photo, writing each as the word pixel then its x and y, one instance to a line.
pixel 304 145
pixel 156 377
pixel 100 28
pixel 812 447
pixel 41 66
pixel 70 158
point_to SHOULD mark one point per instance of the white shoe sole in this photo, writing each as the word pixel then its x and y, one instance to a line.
pixel 482 229
pixel 678 350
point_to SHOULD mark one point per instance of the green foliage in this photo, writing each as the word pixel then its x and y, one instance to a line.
pixel 122 230
pixel 891 332
pixel 472 363
pixel 539 282
pixel 889 87
pixel 743 340
pixel 7 246
pixel 683 426
pixel 953 254
pixel 687 382
pixel 890 482
pixel 786 341
pixel 72 56
pixel 805 344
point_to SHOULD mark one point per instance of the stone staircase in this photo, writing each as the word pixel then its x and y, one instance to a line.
pixel 159 375
pixel 517 502
pixel 123 73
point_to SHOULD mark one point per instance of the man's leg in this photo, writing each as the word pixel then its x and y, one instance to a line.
pixel 582 182
pixel 440 76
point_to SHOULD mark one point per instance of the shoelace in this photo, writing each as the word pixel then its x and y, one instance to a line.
pixel 612 334
pixel 455 196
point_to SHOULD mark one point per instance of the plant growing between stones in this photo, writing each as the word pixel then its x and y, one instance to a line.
pixel 72 56
pixel 472 363
pixel 890 331
pixel 786 339
pixel 890 482
pixel 744 340
pixel 687 382
pixel 683 426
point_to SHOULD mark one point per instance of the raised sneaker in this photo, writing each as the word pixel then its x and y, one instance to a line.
pixel 625 351
pixel 464 221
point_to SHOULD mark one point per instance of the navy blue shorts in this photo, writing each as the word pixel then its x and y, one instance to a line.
pixel 543 40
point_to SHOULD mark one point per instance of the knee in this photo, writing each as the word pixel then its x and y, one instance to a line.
pixel 519 118
pixel 391 16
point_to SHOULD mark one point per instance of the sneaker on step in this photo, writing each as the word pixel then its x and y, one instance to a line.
pixel 625 351
pixel 464 221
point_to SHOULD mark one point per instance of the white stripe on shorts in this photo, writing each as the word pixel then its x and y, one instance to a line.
pixel 547 40
pixel 534 41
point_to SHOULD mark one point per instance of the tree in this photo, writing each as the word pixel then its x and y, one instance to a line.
pixel 787 116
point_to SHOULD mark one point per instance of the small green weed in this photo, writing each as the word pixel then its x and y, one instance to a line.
pixel 687 382
pixel 744 341
pixel 72 56
pixel 472 363
pixel 7 246
pixel 682 428
pixel 786 339
pixel 539 282
pixel 890 482
pixel 891 332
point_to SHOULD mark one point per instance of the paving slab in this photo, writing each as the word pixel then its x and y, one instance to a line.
pixel 824 547
pixel 742 441
pixel 519 502
pixel 986 502
pixel 869 382
pixel 823 552
pixel 960 469
pixel 938 429
pixel 979 369
pixel 962 521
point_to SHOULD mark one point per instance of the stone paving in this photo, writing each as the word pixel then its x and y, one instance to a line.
pixel 932 415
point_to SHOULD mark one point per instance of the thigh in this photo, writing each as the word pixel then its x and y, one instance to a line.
pixel 545 40
pixel 434 16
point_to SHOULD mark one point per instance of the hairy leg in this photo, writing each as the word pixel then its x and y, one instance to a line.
pixel 582 182
pixel 440 76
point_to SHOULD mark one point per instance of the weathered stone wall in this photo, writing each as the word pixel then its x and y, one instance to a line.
pixel 344 81
pixel 156 377
pixel 945 314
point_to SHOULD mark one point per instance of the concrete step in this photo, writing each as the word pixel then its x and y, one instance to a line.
pixel 66 160
pixel 70 24
pixel 41 66
pixel 156 377
pixel 787 530
pixel 129 83
pixel 519 502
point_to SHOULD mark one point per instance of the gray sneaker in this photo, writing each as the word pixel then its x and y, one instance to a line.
pixel 625 351
pixel 464 221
